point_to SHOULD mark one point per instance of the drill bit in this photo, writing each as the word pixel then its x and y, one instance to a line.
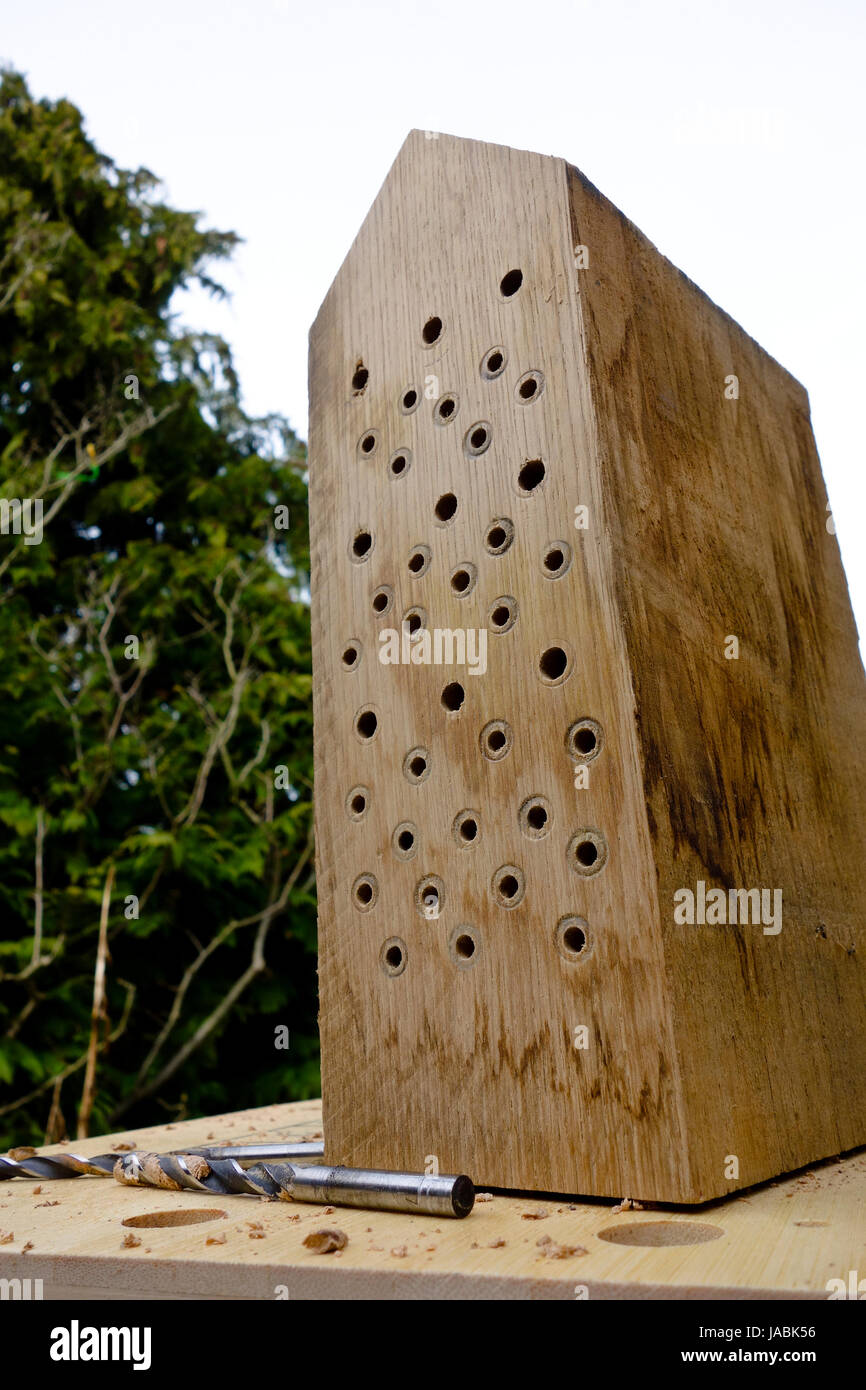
pixel 441 1195
pixel 68 1165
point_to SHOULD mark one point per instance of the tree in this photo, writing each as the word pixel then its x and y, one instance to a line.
pixel 156 875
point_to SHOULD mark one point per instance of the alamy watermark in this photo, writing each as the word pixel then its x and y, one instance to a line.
pixel 439 646
pixel 715 907
pixel 22 517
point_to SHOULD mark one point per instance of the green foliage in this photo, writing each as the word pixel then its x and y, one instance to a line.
pixel 156 666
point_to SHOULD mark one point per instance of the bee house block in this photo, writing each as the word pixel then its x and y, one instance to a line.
pixel 591 898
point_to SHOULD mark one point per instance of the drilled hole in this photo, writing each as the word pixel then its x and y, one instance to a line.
pixel 367 443
pixel 571 937
pixel 416 765
pixel 432 330
pixel 366 724
pixel 553 665
pixel 510 283
pixel 531 476
pixel 404 840
pixel 453 696
pixel 362 545
pixel 419 560
pixel 360 378
pixel 534 817
pixel 493 363
pixel 351 655
pixel 382 600
pixel 429 897
pixel 409 400
pixel 178 1216
pixel 446 508
pixel 508 885
pixel 392 957
pixel 415 619
pixel 557 559
pixel 587 852
pixel 496 739
pixel 445 409
pixel 466 829
pixel 365 891
pixel 584 740
pixel 357 802
pixel 499 535
pixel 463 579
pixel 465 946
pixel 503 614
pixel 529 387
pixel 477 438
pixel 400 463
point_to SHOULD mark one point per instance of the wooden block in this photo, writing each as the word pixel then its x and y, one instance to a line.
pixel 528 427
pixel 785 1240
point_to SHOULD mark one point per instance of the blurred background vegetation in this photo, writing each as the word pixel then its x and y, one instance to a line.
pixel 157 897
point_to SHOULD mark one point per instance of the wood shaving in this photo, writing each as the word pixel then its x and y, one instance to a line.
pixel 496 1244
pixel 23 1151
pixel 130 1241
pixel 6 1237
pixel 325 1241
pixel 26 1247
pixel 552 1250
pixel 257 1235
pixel 216 1240
pixel 122 1148
pixel 484 1196
pixel 399 1252
pixel 47 1204
pixel 626 1205
pixel 37 1190
pixel 541 1215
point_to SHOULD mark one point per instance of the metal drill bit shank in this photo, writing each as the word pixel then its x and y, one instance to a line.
pixel 443 1195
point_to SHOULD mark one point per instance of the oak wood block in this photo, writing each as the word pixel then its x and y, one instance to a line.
pixel 530 428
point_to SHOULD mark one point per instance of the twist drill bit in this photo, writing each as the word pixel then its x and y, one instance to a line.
pixel 102 1165
pixel 443 1195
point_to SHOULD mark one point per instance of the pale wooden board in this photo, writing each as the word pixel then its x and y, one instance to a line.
pixel 785 1239
pixel 707 519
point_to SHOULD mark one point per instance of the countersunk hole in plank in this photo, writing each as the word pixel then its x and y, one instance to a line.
pixel 445 409
pixel 587 852
pixel 179 1216
pixel 466 828
pixel 529 387
pixel 360 378
pixel 659 1233
pixel 508 885
pixel 554 665
pixel 410 400
pixel 401 462
pixel 572 937
pixel 584 740
pixel 357 803
pixel 535 817
pixel 463 578
pixel 429 896
pixel 415 619
pixel 365 891
pixel 496 739
pixel 368 443
pixel 392 957
pixel 499 535
pixel 493 363
pixel 352 655
pixel 557 559
pixel 419 560
pixel 464 946
pixel 503 613
pixel 416 765
pixel 404 840
pixel 476 440
pixel 383 598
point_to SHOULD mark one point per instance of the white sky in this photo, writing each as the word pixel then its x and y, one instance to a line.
pixel 731 133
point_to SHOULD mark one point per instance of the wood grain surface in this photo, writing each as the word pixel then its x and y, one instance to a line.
pixel 550 1026
pixel 785 1239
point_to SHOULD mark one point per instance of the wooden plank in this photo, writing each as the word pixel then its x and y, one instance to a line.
pixel 785 1239
pixel 452 1036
